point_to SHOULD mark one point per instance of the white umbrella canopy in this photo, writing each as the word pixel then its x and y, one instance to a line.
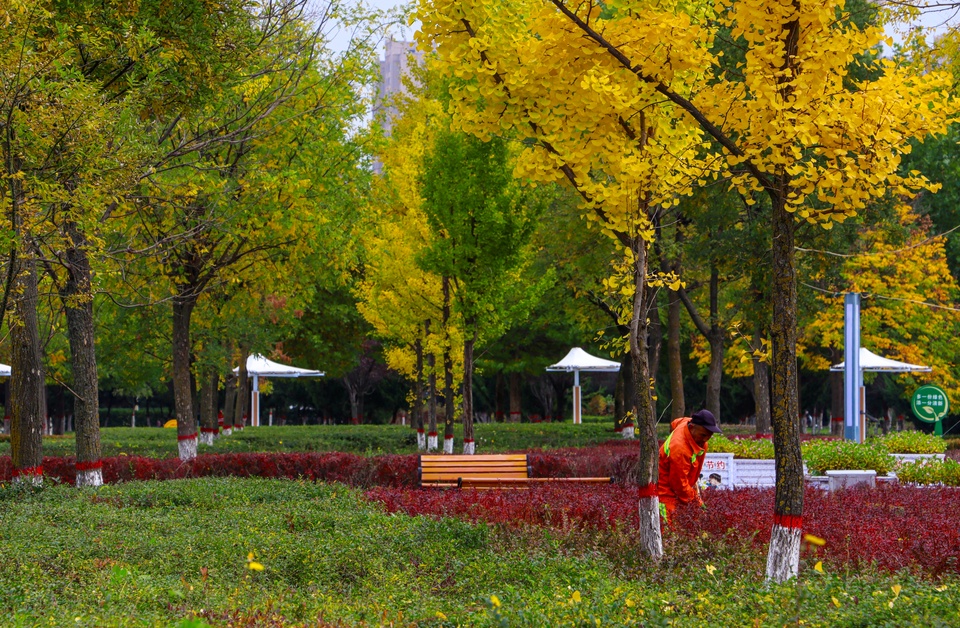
pixel 262 367
pixel 870 361
pixel 578 360
pixel 257 367
pixel 5 370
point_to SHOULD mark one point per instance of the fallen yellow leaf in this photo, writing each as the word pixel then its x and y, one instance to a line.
pixel 836 602
pixel 819 566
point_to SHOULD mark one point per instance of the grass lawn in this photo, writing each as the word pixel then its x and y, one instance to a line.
pixel 178 553
pixel 364 439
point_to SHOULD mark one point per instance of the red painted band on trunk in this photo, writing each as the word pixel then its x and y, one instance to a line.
pixel 434 434
pixel 238 427
pixel 420 431
pixel 468 440
pixel 28 471
pixel 650 490
pixel 187 436
pixel 208 430
pixel 89 466
pixel 788 521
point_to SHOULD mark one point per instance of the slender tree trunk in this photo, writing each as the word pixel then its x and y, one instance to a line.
pixel 715 337
pixel 243 391
pixel 836 397
pixel 784 554
pixel 432 386
pixel 182 382
pixel 208 405
pixel 77 297
pixel 499 415
pixel 761 389
pixel 678 406
pixel 468 442
pixel 27 378
pixel 516 412
pixel 354 397
pixel 229 404
pixel 417 422
pixel 654 334
pixel 448 402
pixel 651 541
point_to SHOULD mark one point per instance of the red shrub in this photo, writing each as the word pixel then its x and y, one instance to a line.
pixel 893 526
pixel 391 470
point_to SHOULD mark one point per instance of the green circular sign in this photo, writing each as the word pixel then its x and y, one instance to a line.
pixel 930 403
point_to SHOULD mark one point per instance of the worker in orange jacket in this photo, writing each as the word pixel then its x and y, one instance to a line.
pixel 681 460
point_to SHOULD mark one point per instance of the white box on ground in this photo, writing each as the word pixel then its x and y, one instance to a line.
pixel 850 478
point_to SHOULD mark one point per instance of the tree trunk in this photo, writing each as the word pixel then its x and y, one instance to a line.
pixel 27 378
pixel 678 406
pixel 354 397
pixel 499 401
pixel 77 297
pixel 784 553
pixel 243 391
pixel 651 541
pixel 761 388
pixel 208 405
pixel 182 382
pixel 468 443
pixel 432 404
pixel 516 412
pixel 448 402
pixel 417 422
pixel 229 405
pixel 654 335
pixel 715 373
pixel 836 397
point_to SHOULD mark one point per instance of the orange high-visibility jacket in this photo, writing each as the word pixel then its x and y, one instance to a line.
pixel 681 460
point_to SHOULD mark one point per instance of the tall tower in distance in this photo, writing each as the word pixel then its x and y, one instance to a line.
pixel 394 67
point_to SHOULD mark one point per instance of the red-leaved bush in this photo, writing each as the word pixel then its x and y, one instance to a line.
pixel 893 526
pixel 353 469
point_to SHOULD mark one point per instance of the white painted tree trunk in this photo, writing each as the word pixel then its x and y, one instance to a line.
pixel 649 528
pixel 187 448
pixel 628 432
pixel 90 477
pixel 448 445
pixel 469 447
pixel 29 479
pixel 206 438
pixel 431 442
pixel 421 440
pixel 227 431
pixel 783 559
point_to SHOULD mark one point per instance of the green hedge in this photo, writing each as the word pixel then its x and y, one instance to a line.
pixel 946 472
pixel 822 456
pixel 910 442
pixel 760 449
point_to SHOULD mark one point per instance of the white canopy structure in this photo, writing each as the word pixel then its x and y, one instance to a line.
pixel 5 370
pixel 855 398
pixel 870 361
pixel 578 360
pixel 257 367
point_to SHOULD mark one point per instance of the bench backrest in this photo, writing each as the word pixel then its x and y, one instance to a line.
pixel 446 470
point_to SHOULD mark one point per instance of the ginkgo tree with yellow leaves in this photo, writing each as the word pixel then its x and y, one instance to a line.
pixel 907 310
pixel 635 92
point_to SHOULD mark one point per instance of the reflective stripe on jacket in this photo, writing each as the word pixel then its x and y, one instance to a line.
pixel 681 460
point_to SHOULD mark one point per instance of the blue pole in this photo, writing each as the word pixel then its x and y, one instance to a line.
pixel 851 370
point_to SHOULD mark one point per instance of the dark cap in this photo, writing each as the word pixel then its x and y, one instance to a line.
pixel 705 419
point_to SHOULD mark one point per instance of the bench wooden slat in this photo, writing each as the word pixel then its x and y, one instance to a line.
pixel 446 470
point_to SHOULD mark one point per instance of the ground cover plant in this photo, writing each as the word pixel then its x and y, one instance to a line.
pixel 254 552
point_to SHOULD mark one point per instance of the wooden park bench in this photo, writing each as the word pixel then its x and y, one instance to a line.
pixel 484 471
